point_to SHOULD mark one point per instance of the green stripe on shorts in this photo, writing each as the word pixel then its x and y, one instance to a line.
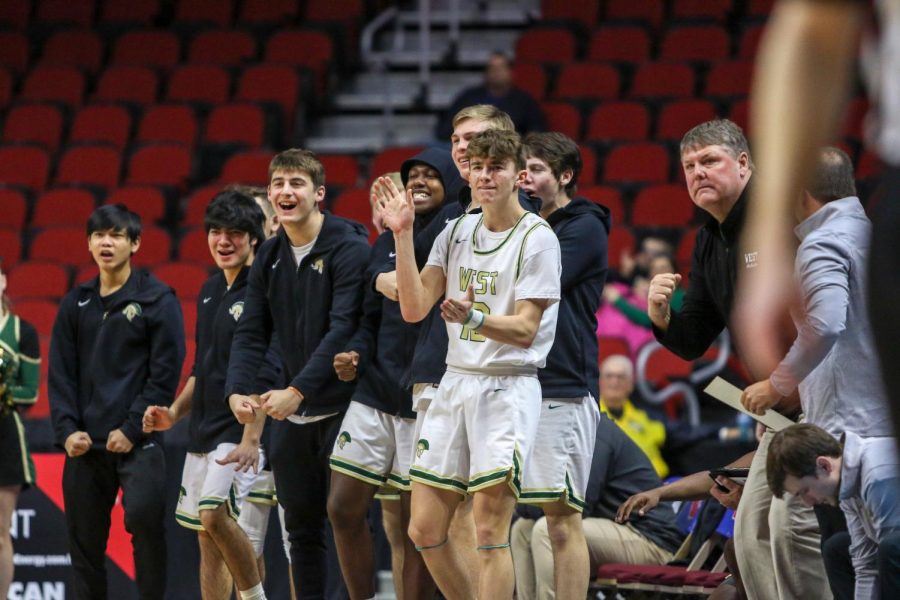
pixel 356 471
pixel 435 480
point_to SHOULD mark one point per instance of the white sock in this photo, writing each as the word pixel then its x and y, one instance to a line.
pixel 255 593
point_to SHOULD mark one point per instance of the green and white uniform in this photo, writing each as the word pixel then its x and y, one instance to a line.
pixel 19 341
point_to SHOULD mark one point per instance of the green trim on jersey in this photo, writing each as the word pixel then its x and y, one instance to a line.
pixel 522 247
pixel 28 469
pixel 503 243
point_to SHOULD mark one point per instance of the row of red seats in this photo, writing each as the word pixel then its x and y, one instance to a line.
pixel 45 124
pixel 664 121
pixel 633 44
pixel 589 12
pixel 163 49
pixel 649 80
pixel 222 13
pixel 265 82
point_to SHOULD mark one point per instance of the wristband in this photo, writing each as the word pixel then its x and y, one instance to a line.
pixel 477 319
pixel 296 391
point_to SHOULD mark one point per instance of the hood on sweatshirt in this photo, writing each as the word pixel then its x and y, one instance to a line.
pixel 581 206
pixel 440 160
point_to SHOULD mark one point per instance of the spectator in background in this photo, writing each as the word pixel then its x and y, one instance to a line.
pixel 618 470
pixel 633 305
pixel 616 385
pixel 497 90
pixel 863 477
pixel 21 374
pixel 638 263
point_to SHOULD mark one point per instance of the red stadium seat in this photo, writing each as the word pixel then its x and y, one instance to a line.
pixel 136 12
pixel 189 313
pixel 354 204
pixel 620 238
pixel 585 12
pixel 148 202
pixel 217 13
pixel 98 165
pixel 134 85
pixel 341 170
pixel 854 115
pixel 175 123
pixel 26 166
pixel 156 247
pixel 750 41
pixel 626 43
pixel 740 114
pixel 677 117
pixel 240 123
pixel 391 159
pixel 546 46
pixel 608 197
pixel 14 51
pixel 612 345
pixel 66 244
pixel 65 11
pixel 706 10
pixel 76 48
pixel 10 247
pixel 110 124
pixel 160 164
pixel 40 313
pixel 759 8
pixel 729 78
pixel 194 247
pixel 63 206
pixel 85 272
pixel 280 12
pixel 40 124
pixel 303 48
pixel 686 248
pixel 195 205
pixel 530 77
pixel 648 13
pixel 619 121
pixel 279 84
pixel 154 48
pixel 637 163
pixel 663 80
pixel 588 165
pixel 52 83
pixel 6 87
pixel 15 13
pixel 563 117
pixel 666 205
pixel 248 168
pixel 595 81
pixel 664 367
pixel 205 84
pixel 38 279
pixel 869 165
pixel 186 278
pixel 15 207
pixel 704 43
pixel 228 48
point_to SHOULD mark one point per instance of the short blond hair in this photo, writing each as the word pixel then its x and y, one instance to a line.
pixel 488 113
pixel 498 145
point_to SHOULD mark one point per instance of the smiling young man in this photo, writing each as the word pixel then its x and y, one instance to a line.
pixel 212 490
pixel 306 287
pixel 500 273
pixel 557 476
pixel 117 348
pixel 862 476
pixel 376 442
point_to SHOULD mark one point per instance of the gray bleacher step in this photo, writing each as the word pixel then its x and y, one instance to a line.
pixel 367 133
pixel 367 90
pixel 474 13
pixel 475 47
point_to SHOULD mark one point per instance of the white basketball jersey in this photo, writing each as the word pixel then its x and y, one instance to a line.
pixel 521 263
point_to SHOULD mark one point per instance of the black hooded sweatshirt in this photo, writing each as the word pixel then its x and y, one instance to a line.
pixel 582 228
pixel 314 308
pixel 112 357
